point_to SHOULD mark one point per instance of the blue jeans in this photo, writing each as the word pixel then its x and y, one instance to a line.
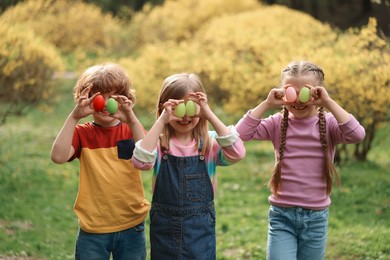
pixel 126 244
pixel 296 233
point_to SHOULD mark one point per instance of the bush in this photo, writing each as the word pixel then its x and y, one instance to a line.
pixel 359 76
pixel 180 20
pixel 80 31
pixel 27 66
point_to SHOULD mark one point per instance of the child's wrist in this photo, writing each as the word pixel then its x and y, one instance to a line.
pixel 329 103
pixel 74 116
pixel 161 121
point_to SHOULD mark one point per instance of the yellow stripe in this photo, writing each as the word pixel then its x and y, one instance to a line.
pixel 111 195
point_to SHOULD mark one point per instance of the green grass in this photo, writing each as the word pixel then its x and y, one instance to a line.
pixel 37 196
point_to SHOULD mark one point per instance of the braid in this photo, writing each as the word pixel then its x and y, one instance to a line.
pixel 329 169
pixel 276 177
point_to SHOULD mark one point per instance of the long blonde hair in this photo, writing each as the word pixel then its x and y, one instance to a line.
pixel 177 86
pixel 295 69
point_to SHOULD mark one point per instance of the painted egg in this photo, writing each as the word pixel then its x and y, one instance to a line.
pixel 180 110
pixel 98 103
pixel 304 94
pixel 291 94
pixel 191 108
pixel 112 105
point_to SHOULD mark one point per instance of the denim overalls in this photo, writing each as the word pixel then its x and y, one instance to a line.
pixel 183 214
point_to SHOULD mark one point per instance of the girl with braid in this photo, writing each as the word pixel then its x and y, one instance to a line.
pixel 304 137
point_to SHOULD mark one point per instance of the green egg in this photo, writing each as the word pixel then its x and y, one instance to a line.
pixel 112 105
pixel 304 94
pixel 180 110
pixel 191 108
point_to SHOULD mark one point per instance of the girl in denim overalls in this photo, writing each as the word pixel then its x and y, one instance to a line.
pixel 184 155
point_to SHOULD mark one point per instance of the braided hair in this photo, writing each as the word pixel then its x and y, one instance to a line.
pixel 330 172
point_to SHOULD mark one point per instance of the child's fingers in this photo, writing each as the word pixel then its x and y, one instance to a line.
pixel 86 90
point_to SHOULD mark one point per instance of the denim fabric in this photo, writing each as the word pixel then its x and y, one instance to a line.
pixel 297 233
pixel 182 216
pixel 123 245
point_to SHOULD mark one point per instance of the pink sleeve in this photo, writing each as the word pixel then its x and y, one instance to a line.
pixel 142 165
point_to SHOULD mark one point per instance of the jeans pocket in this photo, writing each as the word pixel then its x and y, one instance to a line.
pixel 276 217
pixel 318 225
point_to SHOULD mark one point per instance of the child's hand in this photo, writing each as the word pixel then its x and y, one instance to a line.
pixel 320 96
pixel 125 111
pixel 200 98
pixel 275 97
pixel 168 113
pixel 84 106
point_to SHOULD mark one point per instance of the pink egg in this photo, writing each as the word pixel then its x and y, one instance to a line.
pixel 290 95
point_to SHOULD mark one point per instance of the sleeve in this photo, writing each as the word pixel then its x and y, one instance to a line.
pixel 229 139
pixel 349 132
pixel 76 143
pixel 143 159
pixel 251 128
pixel 229 149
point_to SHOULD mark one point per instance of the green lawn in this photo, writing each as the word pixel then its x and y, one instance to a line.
pixel 36 195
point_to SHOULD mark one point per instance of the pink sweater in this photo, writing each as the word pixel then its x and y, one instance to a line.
pixel 303 183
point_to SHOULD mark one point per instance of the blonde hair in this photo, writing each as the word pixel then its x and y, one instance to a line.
pixel 296 69
pixel 176 87
pixel 106 78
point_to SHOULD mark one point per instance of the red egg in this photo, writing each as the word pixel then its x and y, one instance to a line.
pixel 290 95
pixel 98 103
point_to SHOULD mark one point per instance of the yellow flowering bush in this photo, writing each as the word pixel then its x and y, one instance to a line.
pixel 27 66
pixel 81 31
pixel 359 78
pixel 180 20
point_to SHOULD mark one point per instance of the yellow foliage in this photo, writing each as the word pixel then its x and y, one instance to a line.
pixel 360 74
pixel 156 62
pixel 72 26
pixel 243 54
pixel 27 65
pixel 180 20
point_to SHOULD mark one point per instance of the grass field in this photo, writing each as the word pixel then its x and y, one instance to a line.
pixel 36 196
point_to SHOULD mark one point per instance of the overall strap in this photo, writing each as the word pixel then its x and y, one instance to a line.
pixel 200 148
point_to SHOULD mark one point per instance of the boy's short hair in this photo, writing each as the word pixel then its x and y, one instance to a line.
pixel 106 78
